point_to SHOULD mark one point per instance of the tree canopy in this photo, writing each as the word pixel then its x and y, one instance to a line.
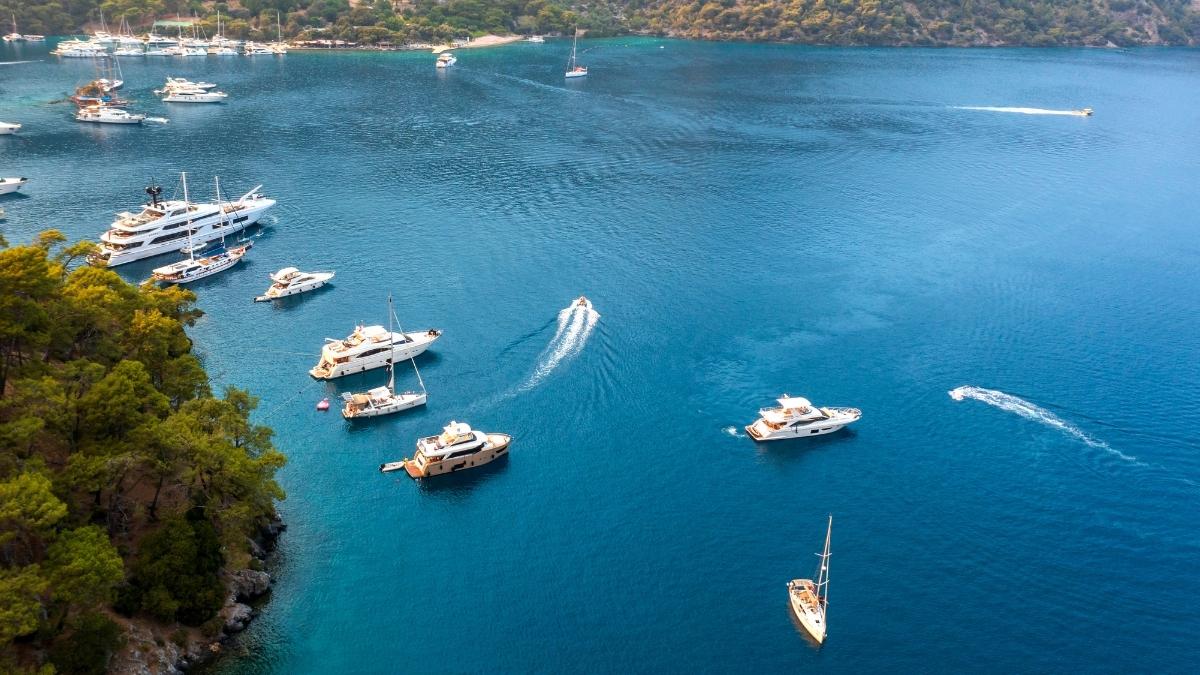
pixel 124 483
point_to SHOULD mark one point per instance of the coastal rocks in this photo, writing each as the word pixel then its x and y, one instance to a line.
pixel 236 616
pixel 247 584
pixel 148 653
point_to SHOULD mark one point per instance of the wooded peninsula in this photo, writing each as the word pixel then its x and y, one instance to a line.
pixel 1042 23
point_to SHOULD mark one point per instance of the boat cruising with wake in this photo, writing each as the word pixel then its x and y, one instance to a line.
pixel 291 281
pixel 161 226
pixel 458 447
pixel 384 400
pixel 796 418
pixel 370 347
pixel 810 599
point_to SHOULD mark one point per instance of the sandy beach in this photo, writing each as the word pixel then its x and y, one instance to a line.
pixel 481 42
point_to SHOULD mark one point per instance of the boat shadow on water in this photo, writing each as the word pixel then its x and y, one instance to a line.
pixel 797 448
pixel 461 483
pixel 800 629
pixel 289 302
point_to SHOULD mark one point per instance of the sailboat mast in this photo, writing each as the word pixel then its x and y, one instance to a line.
pixel 392 355
pixel 188 206
pixel 823 577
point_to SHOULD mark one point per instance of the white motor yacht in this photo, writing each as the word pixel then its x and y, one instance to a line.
pixel 810 599
pixel 193 95
pixel 9 128
pixel 9 185
pixel 458 447
pixel 291 281
pixel 184 83
pixel 161 226
pixel 100 114
pixel 446 59
pixel 256 49
pixel 370 347
pixel 797 418
pixel 536 39
pixel 129 51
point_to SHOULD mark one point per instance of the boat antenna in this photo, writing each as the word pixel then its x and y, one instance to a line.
pixel 392 347
pixel 154 190
pixel 187 206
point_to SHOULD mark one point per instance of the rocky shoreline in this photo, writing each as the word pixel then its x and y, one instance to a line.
pixel 155 648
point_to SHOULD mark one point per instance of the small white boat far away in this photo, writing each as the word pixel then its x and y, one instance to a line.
pixel 8 185
pixel 9 128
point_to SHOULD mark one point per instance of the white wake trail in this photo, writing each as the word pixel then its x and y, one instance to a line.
pixel 1029 411
pixel 575 324
pixel 1022 111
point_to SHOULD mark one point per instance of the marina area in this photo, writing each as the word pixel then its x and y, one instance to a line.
pixel 698 322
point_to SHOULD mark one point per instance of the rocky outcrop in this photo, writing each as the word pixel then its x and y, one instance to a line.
pixel 157 649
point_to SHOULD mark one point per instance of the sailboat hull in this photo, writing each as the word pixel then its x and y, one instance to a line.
pixel 807 608
pixel 398 403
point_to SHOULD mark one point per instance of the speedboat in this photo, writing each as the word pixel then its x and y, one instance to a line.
pixel 291 281
pixel 8 185
pixel 370 347
pixel 162 225
pixel 536 39
pixel 194 269
pixel 1086 112
pixel 583 302
pixel 810 599
pixel 100 114
pixel 458 447
pixel 9 128
pixel 446 59
pixel 797 418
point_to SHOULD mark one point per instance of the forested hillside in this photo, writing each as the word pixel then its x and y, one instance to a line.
pixel 126 488
pixel 847 22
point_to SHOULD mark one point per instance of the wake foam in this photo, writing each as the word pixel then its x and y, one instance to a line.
pixel 1022 111
pixel 733 431
pixel 575 324
pixel 1029 411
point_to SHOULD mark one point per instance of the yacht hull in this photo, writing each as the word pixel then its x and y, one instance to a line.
pixel 760 431
pixel 206 230
pixel 495 448
pixel 297 289
pixel 9 187
pixel 400 403
pixel 420 342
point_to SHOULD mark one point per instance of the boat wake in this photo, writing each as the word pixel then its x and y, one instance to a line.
pixel 575 324
pixel 733 431
pixel 157 120
pixel 1020 406
pixel 1022 111
pixel 14 63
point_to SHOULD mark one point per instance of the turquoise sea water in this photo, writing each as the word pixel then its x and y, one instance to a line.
pixel 748 220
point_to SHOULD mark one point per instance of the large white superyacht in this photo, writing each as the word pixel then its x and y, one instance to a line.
pixel 162 226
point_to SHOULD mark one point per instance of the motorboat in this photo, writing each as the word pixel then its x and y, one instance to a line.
pixel 446 59
pixel 809 598
pixel 385 400
pixel 194 96
pixel 80 49
pixel 291 281
pixel 583 302
pixel 193 269
pixel 573 67
pixel 183 83
pixel 536 39
pixel 102 114
pixel 458 447
pixel 256 49
pixel 797 418
pixel 10 185
pixel 222 51
pixel 106 85
pixel 129 51
pixel 162 225
pixel 7 128
pixel 370 347
pixel 1085 112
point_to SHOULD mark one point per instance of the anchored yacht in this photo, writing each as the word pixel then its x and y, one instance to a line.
pixel 457 447
pixel 100 114
pixel 370 347
pixel 291 281
pixel 810 599
pixel 385 400
pixel 8 185
pixel 446 59
pixel 162 226
pixel 796 418
pixel 9 128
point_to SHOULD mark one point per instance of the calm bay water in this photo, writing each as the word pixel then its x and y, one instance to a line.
pixel 748 220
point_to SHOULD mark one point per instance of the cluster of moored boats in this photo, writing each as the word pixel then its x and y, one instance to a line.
pixel 125 43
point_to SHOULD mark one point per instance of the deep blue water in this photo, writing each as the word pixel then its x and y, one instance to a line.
pixel 748 220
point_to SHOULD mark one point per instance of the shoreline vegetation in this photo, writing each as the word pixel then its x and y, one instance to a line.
pixel 136 507
pixel 409 24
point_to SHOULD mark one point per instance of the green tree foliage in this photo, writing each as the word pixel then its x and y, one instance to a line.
pixel 115 458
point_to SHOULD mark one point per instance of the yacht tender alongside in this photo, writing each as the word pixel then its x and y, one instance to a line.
pixel 796 418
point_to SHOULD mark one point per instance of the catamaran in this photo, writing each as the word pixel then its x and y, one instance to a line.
pixel 810 599
pixel 384 400
pixel 573 67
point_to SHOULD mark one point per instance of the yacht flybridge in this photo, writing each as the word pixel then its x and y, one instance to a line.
pixel 810 598
pixel 384 400
pixel 796 418
pixel 291 281
pixel 370 347
pixel 162 226
pixel 457 447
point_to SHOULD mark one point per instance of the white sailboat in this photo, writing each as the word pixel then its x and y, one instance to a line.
pixel 811 599
pixel 573 67
pixel 193 268
pixel 384 400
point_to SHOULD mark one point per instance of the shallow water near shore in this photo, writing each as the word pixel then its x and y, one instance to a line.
pixel 1009 298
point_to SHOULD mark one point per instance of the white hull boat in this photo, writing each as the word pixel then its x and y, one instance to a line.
pixel 573 67
pixel 10 185
pixel 197 96
pixel 291 281
pixel 7 128
pixel 810 599
pixel 446 60
pixel 104 115
pixel 384 400
pixel 162 226
pixel 195 269
pixel 797 418
pixel 370 347
pixel 458 447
